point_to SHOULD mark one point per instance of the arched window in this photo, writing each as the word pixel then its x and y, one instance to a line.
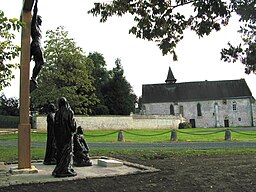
pixel 171 109
pixel 234 106
pixel 199 110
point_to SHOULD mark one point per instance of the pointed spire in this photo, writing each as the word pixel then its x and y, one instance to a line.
pixel 170 77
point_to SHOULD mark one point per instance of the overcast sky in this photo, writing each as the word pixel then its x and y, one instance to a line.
pixel 143 63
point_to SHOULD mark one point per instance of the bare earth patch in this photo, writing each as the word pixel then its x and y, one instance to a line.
pixel 178 173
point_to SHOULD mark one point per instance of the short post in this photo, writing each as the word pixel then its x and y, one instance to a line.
pixel 33 119
pixel 120 136
pixel 173 135
pixel 228 135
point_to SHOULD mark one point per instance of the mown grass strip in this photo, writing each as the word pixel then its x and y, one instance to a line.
pixel 10 154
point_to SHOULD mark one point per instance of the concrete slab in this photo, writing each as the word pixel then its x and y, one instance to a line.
pixel 45 172
pixel 3 168
pixel 109 163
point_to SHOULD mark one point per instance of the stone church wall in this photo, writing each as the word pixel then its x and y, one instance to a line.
pixel 214 112
pixel 121 122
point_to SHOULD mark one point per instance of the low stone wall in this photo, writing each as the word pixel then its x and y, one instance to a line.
pixel 122 122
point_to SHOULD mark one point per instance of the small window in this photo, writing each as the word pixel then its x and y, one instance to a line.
pixel 234 106
pixel 171 110
pixel 224 101
pixel 199 111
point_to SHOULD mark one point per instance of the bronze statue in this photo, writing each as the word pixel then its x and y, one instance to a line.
pixel 51 150
pixel 64 127
pixel 35 47
pixel 81 150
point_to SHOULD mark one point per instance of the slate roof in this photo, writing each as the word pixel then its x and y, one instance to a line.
pixel 195 91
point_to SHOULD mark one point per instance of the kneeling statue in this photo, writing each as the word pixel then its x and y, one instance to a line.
pixel 81 150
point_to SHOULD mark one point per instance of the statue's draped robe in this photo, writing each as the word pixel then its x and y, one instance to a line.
pixel 65 125
pixel 50 154
pixel 81 151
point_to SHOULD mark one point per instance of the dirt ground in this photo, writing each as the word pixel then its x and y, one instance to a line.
pixel 177 173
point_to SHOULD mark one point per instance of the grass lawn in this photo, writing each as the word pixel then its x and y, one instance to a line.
pixel 192 135
pixel 148 136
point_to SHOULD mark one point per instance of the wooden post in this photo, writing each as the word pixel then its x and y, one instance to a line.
pixel 24 138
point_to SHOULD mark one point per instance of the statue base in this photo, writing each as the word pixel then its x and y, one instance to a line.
pixel 16 170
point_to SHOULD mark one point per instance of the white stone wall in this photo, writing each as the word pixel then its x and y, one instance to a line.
pixel 243 116
pixel 122 122
pixel 254 113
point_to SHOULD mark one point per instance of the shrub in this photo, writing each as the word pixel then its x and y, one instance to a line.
pixel 185 125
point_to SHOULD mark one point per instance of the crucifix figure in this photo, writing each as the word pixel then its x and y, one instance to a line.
pixel 35 47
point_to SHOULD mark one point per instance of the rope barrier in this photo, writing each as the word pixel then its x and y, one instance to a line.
pixel 190 133
pixel 103 135
pixel 149 135
pixel 242 133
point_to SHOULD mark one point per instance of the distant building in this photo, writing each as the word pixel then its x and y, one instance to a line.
pixel 203 103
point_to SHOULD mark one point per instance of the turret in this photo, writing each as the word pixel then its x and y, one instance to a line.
pixel 170 77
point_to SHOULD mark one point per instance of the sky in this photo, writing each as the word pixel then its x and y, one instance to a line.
pixel 142 61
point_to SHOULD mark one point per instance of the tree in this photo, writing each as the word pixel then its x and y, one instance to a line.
pixel 9 106
pixel 8 50
pixel 245 53
pixel 164 21
pixel 118 93
pixel 101 76
pixel 66 72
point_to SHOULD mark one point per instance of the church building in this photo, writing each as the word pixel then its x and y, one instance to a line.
pixel 227 103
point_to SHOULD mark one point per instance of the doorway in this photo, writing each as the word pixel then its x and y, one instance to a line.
pixel 226 123
pixel 193 123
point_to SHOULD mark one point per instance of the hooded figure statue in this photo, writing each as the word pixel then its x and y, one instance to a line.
pixel 64 127
pixel 51 150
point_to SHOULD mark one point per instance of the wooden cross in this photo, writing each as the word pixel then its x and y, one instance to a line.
pixel 24 138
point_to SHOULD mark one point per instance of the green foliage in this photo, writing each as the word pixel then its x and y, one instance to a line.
pixel 9 106
pixel 245 53
pixel 101 76
pixel 118 93
pixel 114 92
pixel 66 72
pixel 165 21
pixel 8 50
pixel 7 121
pixel 185 125
pixel 162 22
